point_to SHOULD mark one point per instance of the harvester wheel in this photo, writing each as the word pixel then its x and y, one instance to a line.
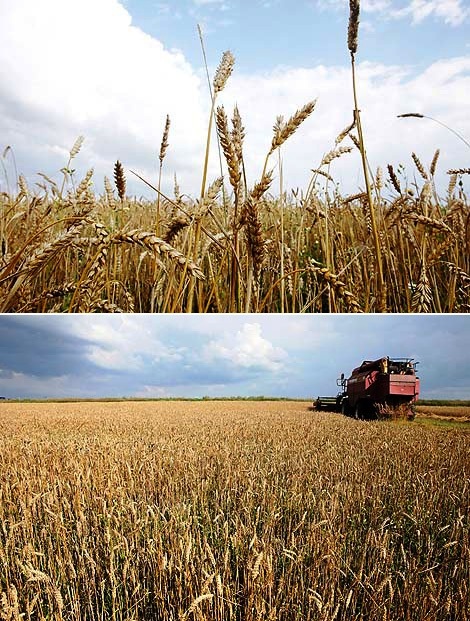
pixel 411 413
pixel 345 408
pixel 357 411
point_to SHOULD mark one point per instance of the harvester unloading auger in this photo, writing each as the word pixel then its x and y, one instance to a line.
pixel 383 388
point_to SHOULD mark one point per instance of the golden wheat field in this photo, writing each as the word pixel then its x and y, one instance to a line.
pixel 397 245
pixel 244 251
pixel 229 510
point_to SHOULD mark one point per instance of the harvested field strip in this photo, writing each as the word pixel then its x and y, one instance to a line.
pixel 230 510
pixel 445 411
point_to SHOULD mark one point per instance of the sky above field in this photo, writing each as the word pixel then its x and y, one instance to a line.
pixel 223 355
pixel 112 70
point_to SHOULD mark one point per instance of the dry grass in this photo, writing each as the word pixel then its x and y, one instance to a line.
pixel 229 510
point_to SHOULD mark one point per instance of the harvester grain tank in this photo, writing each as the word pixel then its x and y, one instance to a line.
pixel 383 388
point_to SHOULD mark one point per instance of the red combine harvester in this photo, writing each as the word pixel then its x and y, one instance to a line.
pixel 383 388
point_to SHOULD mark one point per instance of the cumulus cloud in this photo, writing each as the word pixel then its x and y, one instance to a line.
pixel 124 344
pixel 247 349
pixel 174 352
pixel 83 68
pixel 71 68
pixel 384 92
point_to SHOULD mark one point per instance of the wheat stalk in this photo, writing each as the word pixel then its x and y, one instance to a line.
pixel 459 171
pixel 342 135
pixel 163 148
pixel 432 168
pixel 354 9
pixel 353 26
pixel 393 178
pixel 221 76
pixel 422 296
pixel 164 144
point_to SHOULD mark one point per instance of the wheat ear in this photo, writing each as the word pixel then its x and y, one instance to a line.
pixel 228 148
pixel 120 180
pixel 163 148
pixel 159 246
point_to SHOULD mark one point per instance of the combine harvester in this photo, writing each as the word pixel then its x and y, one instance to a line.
pixel 378 389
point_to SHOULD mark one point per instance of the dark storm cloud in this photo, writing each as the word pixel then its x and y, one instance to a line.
pixel 39 346
pixel 176 355
pixel 107 356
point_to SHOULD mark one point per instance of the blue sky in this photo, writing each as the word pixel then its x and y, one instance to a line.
pixel 267 33
pixel 222 355
pixel 111 70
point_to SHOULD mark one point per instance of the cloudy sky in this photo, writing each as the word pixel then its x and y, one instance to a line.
pixel 222 355
pixel 111 70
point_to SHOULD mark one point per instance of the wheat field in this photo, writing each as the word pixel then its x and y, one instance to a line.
pixel 309 252
pixel 229 510
pixel 397 245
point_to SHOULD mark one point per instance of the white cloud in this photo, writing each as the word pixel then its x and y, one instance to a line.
pixel 450 11
pixel 246 349
pixel 83 68
pixel 70 68
pixel 124 343
pixel 440 91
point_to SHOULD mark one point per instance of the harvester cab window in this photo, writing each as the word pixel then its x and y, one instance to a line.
pixel 401 367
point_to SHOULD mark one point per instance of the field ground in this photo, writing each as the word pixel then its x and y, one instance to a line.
pixel 229 510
